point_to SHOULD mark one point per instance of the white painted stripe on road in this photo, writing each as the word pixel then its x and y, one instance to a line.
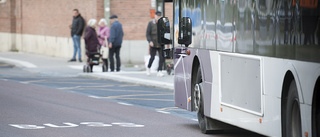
pixel 126 104
pixel 164 112
pixel 20 62
pixel 94 97
pixel 195 120
pixel 22 82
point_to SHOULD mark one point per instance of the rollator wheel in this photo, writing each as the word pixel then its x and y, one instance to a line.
pixel 89 69
pixel 84 68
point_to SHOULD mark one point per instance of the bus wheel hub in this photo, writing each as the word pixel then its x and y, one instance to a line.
pixel 197 97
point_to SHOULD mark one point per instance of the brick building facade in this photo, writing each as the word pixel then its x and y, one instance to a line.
pixel 42 26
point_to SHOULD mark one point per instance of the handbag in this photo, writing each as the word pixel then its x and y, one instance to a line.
pixel 104 51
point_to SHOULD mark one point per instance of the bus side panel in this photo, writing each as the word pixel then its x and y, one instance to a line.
pixel 182 78
pixel 183 73
pixel 205 63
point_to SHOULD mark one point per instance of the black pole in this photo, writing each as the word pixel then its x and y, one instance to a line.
pixel 163 8
pixel 179 11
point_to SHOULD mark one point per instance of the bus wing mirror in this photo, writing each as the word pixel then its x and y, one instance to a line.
pixel 163 29
pixel 185 31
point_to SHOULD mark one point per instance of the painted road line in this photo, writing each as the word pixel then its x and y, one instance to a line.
pixel 126 104
pixel 96 97
pixel 171 109
pixel 72 125
pixel 23 82
pixel 128 124
pixel 139 95
pixel 32 81
pixel 77 87
pixel 164 112
pixel 147 99
pixel 20 62
pixel 122 90
pixel 195 120
pixel 129 97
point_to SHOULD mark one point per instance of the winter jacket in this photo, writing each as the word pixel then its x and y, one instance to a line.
pixel 104 33
pixel 91 39
pixel 152 34
pixel 116 34
pixel 77 26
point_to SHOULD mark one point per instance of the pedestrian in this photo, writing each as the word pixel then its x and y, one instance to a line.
pixel 91 39
pixel 115 41
pixel 152 37
pixel 76 33
pixel 103 36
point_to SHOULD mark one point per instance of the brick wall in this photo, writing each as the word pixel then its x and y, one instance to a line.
pixel 5 17
pixel 52 17
pixel 45 17
pixel 169 11
pixel 134 16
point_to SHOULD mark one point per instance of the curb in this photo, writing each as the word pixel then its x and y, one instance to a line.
pixel 126 79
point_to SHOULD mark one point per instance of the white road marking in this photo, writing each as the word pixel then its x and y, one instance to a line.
pixel 68 125
pixel 72 125
pixel 20 62
pixel 195 120
pixel 94 97
pixel 164 112
pixel 27 82
pixel 95 124
pixel 127 124
pixel 24 126
pixel 22 82
pixel 122 103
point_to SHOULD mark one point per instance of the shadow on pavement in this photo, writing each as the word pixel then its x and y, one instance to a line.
pixel 237 132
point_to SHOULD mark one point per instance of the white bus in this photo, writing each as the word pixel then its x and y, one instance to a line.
pixel 254 64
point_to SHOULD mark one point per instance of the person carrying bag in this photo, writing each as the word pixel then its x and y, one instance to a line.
pixel 103 36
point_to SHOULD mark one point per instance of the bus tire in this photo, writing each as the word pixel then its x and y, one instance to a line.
pixel 293 117
pixel 198 103
pixel 316 110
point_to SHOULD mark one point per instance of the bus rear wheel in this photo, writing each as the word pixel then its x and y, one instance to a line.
pixel 293 117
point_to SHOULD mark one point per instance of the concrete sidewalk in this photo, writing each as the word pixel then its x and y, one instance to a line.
pixel 60 67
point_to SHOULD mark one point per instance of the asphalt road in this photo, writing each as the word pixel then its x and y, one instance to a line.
pixel 37 104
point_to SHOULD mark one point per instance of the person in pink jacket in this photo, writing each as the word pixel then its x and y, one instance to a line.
pixel 103 37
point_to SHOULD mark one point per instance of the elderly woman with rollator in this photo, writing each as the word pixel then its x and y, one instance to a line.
pixel 91 39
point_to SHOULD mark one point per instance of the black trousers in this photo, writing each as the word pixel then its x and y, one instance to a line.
pixel 106 62
pixel 153 52
pixel 114 50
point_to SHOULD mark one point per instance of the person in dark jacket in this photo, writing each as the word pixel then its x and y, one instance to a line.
pixel 152 37
pixel 91 38
pixel 76 32
pixel 115 41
